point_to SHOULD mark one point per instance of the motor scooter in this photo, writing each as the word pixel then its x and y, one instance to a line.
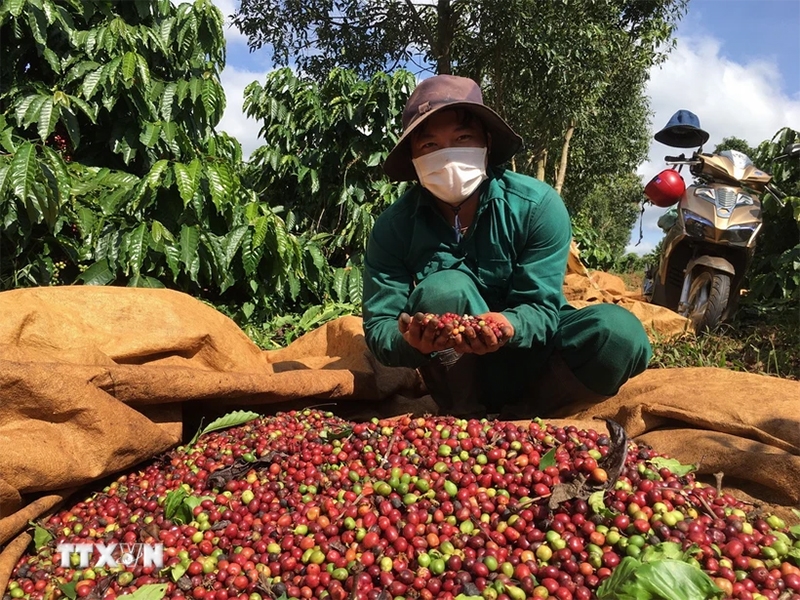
pixel 708 248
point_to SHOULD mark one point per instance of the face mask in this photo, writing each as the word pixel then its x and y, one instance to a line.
pixel 452 174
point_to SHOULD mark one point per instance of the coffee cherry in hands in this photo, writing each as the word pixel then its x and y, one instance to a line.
pixel 460 323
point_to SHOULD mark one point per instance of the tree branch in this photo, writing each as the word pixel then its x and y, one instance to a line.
pixel 561 171
pixel 426 31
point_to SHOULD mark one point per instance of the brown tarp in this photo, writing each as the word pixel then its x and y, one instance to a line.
pixel 94 380
pixel 582 288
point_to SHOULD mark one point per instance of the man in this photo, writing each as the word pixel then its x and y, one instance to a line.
pixel 474 238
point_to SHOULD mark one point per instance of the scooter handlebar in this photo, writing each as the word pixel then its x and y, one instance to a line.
pixel 682 160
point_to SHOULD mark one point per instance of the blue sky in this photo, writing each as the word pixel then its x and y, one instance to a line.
pixel 751 29
pixel 736 65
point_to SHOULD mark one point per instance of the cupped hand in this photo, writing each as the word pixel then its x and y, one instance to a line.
pixel 423 333
pixel 482 340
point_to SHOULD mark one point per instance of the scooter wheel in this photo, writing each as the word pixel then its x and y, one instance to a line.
pixel 708 299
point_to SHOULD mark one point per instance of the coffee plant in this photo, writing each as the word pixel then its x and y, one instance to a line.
pixel 324 150
pixel 112 173
pixel 306 505
pixel 595 251
pixel 775 272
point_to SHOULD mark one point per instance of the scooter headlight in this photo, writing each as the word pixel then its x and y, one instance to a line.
pixel 695 225
pixel 744 200
pixel 740 234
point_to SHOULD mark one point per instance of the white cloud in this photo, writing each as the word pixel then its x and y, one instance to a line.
pixel 234 79
pixel 227 8
pixel 232 34
pixel 730 99
pixel 233 121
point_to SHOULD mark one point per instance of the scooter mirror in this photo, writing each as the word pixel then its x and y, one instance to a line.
pixel 792 150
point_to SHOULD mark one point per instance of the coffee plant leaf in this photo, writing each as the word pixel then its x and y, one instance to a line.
pixel 548 460
pixel 48 116
pixel 15 7
pixel 340 284
pixel 232 419
pixel 598 505
pixel 3 177
pixel 177 571
pixel 669 550
pixel 673 465
pixel 336 434
pixel 663 579
pixel 23 171
pixel 676 580
pixel 68 589
pixel 795 529
pixel 173 502
pixel 144 281
pixel 614 588
pixel 151 591
pixel 98 274
pixel 41 536
pixel 355 285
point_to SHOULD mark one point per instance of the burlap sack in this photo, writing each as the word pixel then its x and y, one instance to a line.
pixel 582 288
pixel 90 378
pixel 744 425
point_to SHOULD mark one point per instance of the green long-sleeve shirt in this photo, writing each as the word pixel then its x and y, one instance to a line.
pixel 515 251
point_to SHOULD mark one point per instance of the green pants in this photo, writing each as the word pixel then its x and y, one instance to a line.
pixel 603 345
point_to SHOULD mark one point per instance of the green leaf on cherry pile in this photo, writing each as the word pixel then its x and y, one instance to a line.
pixel 151 591
pixel 68 589
pixel 194 501
pixel 177 571
pixel 664 550
pixel 41 536
pixel 175 509
pixel 598 505
pixel 548 460
pixel 673 465
pixel 794 530
pixel 232 419
pixel 336 434
pixel 663 579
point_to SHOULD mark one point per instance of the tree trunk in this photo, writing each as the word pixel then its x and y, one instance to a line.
pixel 561 173
pixel 541 163
pixel 444 37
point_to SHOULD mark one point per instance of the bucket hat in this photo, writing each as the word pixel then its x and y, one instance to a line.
pixel 438 93
pixel 682 131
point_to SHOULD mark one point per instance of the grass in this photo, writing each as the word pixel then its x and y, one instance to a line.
pixel 767 343
pixel 632 279
pixel 760 339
